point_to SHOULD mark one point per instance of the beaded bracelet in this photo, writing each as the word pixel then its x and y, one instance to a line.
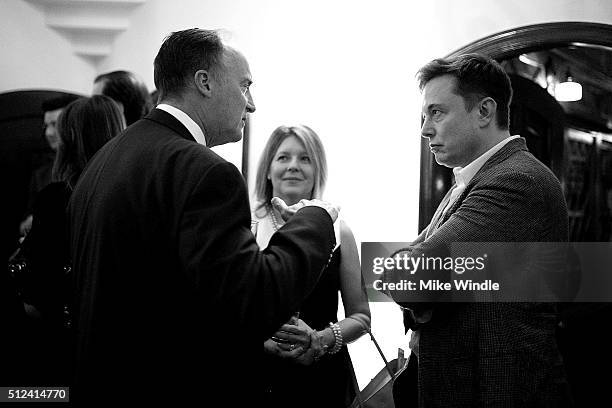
pixel 338 338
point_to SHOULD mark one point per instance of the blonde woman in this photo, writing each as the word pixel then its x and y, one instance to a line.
pixel 307 361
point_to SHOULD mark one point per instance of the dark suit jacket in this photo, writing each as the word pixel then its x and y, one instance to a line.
pixel 46 250
pixel 171 286
pixel 495 354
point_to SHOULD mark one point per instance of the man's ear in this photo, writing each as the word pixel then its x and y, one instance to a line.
pixel 487 109
pixel 202 80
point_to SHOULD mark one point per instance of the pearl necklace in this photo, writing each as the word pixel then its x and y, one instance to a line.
pixel 273 217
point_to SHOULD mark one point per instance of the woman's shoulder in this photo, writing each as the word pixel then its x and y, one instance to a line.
pixel 342 225
pixel 343 231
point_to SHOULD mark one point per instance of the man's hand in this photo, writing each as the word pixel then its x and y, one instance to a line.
pixel 287 211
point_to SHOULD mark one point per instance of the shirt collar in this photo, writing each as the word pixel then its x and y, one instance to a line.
pixel 189 123
pixel 463 175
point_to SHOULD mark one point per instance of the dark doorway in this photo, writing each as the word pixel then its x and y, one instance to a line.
pixel 22 150
pixel 574 139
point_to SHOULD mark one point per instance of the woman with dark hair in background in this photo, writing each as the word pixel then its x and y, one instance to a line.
pixel 128 90
pixel 314 367
pixel 84 127
pixel 41 176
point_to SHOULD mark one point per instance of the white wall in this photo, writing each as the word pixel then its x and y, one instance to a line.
pixel 345 68
pixel 34 56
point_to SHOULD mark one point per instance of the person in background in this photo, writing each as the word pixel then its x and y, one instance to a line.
pixel 83 128
pixel 128 90
pixel 154 95
pixel 41 176
pixel 307 360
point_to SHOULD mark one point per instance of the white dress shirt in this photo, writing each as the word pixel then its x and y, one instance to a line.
pixel 182 117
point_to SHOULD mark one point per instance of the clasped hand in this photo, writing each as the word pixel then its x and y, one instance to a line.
pixel 295 341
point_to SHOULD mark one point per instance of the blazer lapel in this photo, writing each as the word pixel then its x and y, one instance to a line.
pixel 165 119
pixel 508 150
pixel 435 221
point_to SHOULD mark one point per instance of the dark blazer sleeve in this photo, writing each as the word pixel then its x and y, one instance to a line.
pixel 46 249
pixel 500 209
pixel 221 256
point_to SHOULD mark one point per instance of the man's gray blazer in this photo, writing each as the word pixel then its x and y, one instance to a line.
pixel 495 354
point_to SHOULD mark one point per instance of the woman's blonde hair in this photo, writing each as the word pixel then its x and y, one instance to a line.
pixel 314 148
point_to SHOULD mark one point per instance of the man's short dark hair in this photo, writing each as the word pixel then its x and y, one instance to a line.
pixel 477 77
pixel 181 55
pixel 58 102
pixel 130 90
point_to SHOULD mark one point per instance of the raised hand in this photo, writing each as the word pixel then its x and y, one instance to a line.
pixel 287 211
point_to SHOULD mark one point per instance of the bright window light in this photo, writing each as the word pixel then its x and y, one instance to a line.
pixel 568 91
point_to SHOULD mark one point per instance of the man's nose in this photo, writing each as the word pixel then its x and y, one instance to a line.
pixel 250 108
pixel 427 130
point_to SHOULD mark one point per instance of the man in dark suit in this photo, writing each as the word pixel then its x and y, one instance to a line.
pixel 173 297
pixel 484 354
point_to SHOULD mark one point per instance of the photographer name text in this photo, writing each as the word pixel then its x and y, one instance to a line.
pixel 436 285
